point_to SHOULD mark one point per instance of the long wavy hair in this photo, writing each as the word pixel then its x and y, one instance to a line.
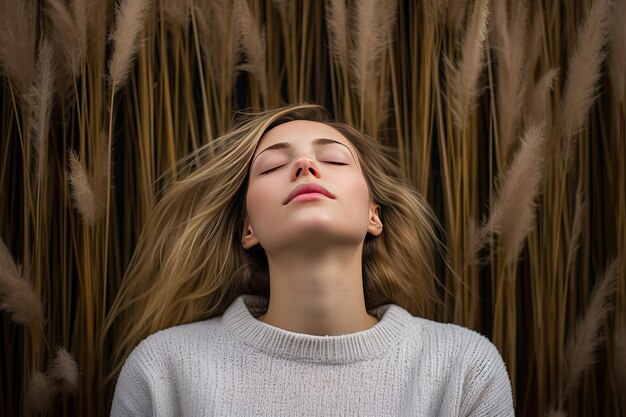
pixel 189 264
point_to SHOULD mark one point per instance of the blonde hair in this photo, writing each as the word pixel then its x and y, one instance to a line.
pixel 189 264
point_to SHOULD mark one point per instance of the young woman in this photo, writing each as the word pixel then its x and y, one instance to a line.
pixel 291 272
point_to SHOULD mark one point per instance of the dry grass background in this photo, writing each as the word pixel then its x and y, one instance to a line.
pixel 509 116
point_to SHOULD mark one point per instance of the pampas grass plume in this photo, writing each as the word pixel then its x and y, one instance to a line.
pixel 41 393
pixel 581 345
pixel 16 294
pixel 455 12
pixel 17 43
pixel 40 97
pixel 64 370
pixel 253 44
pixel 617 48
pixel 538 103
pixel 373 22
pixel 337 24
pixel 66 34
pixel 129 21
pixel 479 236
pixel 510 47
pixel 464 78
pixel 514 210
pixel 82 192
pixel 584 69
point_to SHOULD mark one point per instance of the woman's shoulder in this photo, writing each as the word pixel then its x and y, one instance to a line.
pixel 175 339
pixel 470 362
pixel 451 333
pixel 458 344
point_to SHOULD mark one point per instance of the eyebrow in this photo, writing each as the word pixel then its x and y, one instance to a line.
pixel 287 145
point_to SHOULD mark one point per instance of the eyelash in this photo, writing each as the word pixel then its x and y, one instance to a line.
pixel 327 162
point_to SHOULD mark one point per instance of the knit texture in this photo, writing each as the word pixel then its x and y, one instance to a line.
pixel 237 365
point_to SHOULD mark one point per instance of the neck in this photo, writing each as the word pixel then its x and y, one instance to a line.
pixel 318 293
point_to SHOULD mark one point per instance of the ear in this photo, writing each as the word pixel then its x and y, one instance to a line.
pixel 248 239
pixel 375 226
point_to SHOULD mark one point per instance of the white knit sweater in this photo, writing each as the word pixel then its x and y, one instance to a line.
pixel 237 365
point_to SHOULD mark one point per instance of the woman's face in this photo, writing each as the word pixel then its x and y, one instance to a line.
pixel 296 153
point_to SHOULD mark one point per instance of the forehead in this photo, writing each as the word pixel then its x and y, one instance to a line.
pixel 301 133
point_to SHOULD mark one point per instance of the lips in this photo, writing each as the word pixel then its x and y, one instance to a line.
pixel 309 187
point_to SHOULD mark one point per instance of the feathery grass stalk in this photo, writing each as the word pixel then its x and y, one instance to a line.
pixel 513 217
pixel 510 46
pixel 252 40
pixel 82 192
pixel 69 32
pixel 617 50
pixel 340 41
pixel 40 100
pixel 584 341
pixel 129 21
pixel 18 42
pixel 17 295
pixel 464 77
pixel 372 27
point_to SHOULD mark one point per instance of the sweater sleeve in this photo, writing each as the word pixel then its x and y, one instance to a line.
pixel 488 389
pixel 132 395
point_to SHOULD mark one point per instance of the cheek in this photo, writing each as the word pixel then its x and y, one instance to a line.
pixel 357 192
pixel 260 201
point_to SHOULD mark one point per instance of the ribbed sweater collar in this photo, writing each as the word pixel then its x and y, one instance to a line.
pixel 393 327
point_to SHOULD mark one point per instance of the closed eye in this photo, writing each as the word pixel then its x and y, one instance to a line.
pixel 270 170
pixel 280 166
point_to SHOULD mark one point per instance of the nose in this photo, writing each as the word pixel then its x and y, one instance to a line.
pixel 304 166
